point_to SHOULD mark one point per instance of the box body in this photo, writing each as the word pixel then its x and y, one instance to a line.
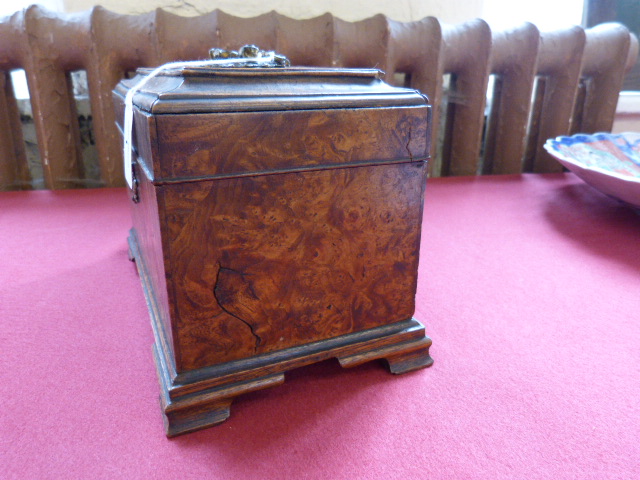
pixel 277 222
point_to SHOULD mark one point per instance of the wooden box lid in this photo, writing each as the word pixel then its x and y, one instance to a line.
pixel 216 89
pixel 201 123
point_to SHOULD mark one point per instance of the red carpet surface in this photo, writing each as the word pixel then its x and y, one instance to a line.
pixel 529 287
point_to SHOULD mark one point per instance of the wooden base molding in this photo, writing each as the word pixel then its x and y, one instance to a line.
pixel 201 398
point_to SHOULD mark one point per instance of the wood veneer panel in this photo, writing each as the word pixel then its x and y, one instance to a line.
pixel 266 263
pixel 240 143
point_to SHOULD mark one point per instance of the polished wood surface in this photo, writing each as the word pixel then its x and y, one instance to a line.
pixel 246 143
pixel 270 240
pixel 269 262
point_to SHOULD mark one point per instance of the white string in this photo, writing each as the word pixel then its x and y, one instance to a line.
pixel 128 100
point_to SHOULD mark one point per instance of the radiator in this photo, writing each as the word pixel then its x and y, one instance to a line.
pixel 541 84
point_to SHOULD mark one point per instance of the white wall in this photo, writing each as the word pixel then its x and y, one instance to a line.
pixel 545 14
pixel 628 113
pixel 451 11
pixel 499 13
pixel 7 7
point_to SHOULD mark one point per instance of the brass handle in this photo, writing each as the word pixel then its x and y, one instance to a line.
pixel 244 56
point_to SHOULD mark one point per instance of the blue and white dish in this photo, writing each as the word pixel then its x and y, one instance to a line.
pixel 609 162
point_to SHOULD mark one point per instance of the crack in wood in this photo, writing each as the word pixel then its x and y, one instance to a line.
pixel 258 339
pixel 408 143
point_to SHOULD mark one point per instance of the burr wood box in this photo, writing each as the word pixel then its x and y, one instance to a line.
pixel 276 223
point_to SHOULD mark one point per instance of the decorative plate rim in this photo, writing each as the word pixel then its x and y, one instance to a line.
pixel 551 144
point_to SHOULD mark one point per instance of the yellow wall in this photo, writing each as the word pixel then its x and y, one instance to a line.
pixel 449 11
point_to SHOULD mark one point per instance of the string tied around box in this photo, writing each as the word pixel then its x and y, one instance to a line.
pixel 248 56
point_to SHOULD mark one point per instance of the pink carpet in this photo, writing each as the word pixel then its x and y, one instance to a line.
pixel 529 287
